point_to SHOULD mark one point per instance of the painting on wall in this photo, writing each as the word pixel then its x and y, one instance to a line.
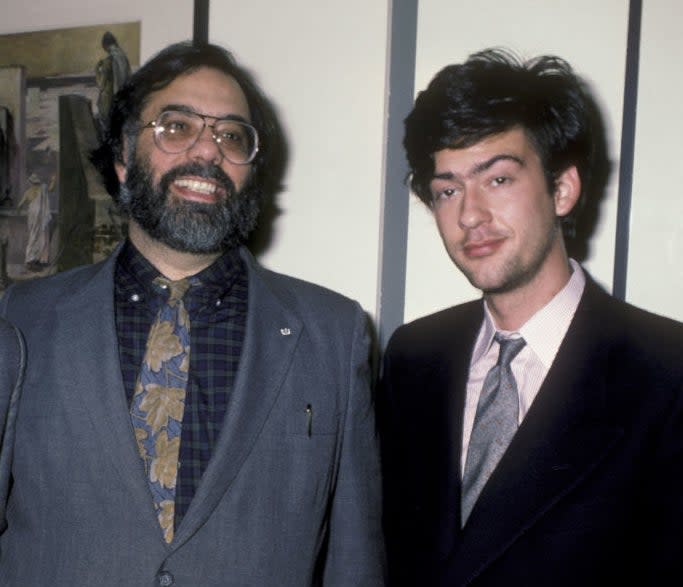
pixel 55 90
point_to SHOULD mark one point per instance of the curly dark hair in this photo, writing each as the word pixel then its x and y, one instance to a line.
pixel 494 91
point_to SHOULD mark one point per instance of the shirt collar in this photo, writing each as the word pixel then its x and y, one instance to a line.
pixel 544 331
pixel 135 276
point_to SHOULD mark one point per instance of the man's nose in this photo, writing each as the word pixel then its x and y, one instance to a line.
pixel 473 209
pixel 205 147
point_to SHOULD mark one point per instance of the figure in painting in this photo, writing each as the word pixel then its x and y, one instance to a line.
pixel 35 198
pixel 111 72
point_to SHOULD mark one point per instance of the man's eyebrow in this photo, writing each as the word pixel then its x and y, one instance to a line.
pixel 190 110
pixel 486 165
pixel 481 167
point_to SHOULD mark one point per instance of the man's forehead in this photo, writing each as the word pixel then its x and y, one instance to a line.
pixel 509 146
pixel 204 90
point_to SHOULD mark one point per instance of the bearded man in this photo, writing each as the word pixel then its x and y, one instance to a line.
pixel 188 417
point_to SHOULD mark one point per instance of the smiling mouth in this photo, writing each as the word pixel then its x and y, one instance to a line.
pixel 198 190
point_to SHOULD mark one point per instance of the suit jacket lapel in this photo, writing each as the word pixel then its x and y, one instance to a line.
pixel 272 335
pixel 449 417
pixel 426 378
pixel 96 376
pixel 563 437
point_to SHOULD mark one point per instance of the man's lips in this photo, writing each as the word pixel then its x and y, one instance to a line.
pixel 198 189
pixel 482 248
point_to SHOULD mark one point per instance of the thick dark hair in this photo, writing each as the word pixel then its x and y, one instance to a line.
pixel 492 92
pixel 162 69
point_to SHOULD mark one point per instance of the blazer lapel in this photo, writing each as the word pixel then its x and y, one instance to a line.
pixel 96 376
pixel 272 335
pixel 563 438
pixel 426 379
pixel 449 417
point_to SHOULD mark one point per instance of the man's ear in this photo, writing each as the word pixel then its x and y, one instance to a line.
pixel 120 166
pixel 567 191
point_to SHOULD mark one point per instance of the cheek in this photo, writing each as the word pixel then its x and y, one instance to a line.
pixel 447 224
pixel 525 209
pixel 161 160
pixel 159 163
pixel 532 223
pixel 239 174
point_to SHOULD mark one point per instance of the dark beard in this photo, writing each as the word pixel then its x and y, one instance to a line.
pixel 189 227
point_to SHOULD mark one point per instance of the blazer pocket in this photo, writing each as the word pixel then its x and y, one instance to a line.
pixel 308 419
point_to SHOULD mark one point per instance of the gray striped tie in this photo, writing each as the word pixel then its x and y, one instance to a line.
pixel 495 423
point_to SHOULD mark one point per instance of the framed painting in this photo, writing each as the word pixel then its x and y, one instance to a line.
pixel 55 89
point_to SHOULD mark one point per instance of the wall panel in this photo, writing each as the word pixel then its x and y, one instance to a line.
pixel 655 270
pixel 323 64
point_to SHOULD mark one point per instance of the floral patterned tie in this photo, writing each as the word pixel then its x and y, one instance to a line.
pixel 159 400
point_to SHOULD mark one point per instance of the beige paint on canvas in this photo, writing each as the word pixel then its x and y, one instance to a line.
pixel 68 50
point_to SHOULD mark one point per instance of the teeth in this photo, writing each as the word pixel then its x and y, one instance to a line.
pixel 197 186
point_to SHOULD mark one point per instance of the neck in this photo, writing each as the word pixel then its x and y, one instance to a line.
pixel 170 263
pixel 512 309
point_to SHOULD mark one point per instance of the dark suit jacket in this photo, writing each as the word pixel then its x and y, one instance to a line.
pixel 590 491
pixel 288 499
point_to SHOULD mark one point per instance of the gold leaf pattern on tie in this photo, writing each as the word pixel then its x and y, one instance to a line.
pixel 183 319
pixel 165 516
pixel 165 467
pixel 160 403
pixel 140 436
pixel 166 345
pixel 159 400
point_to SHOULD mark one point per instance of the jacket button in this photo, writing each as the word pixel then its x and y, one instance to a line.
pixel 166 579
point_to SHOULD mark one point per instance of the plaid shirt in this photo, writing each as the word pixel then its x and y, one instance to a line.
pixel 217 306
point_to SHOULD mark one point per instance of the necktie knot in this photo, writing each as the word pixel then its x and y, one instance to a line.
pixel 176 289
pixel 509 349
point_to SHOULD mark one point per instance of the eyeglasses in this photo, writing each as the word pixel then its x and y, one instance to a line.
pixel 177 131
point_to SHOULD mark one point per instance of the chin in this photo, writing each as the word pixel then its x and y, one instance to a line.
pixel 490 283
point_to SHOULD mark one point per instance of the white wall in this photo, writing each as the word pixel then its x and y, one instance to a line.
pixel 323 63
pixel 655 272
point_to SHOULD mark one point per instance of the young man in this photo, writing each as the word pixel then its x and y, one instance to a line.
pixel 189 418
pixel 532 437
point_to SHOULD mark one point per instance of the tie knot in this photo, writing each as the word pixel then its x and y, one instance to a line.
pixel 509 348
pixel 176 289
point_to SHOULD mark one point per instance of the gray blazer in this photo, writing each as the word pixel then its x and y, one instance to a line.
pixel 11 372
pixel 289 498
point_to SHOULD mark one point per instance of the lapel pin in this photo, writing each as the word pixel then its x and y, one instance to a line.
pixel 285 331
